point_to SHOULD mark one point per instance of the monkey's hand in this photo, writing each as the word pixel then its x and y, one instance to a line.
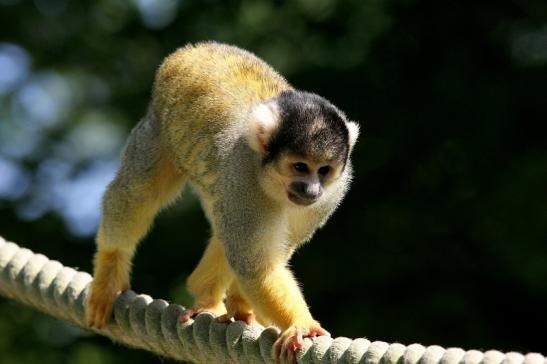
pixel 292 339
pixel 99 303
pixel 111 277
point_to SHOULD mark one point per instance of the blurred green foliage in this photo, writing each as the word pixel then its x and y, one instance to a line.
pixel 443 237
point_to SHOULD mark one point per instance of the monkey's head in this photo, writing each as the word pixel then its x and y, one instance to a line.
pixel 304 142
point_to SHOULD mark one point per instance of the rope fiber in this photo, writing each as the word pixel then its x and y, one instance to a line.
pixel 153 324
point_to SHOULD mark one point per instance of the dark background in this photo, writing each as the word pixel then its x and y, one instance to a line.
pixel 443 236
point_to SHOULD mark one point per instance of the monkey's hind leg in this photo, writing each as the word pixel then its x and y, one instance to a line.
pixel 208 282
pixel 146 180
pixel 237 306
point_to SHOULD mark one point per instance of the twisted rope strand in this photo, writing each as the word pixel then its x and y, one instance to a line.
pixel 142 322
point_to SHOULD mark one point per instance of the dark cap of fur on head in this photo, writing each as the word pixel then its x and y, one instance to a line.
pixel 310 126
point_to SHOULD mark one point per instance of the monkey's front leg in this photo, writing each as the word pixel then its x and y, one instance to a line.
pixel 146 180
pixel 112 269
pixel 274 294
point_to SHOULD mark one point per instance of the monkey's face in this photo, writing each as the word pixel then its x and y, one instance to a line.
pixel 300 180
pixel 304 142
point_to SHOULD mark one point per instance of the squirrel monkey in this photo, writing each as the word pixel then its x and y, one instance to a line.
pixel 270 164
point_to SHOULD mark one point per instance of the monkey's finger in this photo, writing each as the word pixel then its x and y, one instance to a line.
pixel 291 356
pixel 95 319
pixel 89 320
pixel 284 349
pixel 185 316
pixel 89 316
pixel 224 318
pixel 91 312
pixel 298 339
pixel 102 314
pixel 276 352
pixel 99 321
pixel 291 345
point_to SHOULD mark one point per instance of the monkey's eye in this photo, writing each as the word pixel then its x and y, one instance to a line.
pixel 323 171
pixel 301 167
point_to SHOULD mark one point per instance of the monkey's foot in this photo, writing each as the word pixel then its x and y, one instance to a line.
pixel 237 307
pixel 247 317
pixel 191 313
pixel 99 306
pixel 292 340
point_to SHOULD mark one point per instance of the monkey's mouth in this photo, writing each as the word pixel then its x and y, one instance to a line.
pixel 299 200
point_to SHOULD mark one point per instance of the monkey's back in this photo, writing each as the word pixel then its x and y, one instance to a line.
pixel 201 93
pixel 216 76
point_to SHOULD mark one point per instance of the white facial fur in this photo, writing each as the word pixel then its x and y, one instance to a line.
pixel 353 129
pixel 263 121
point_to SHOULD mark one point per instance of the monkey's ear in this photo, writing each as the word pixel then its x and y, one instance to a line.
pixel 353 129
pixel 263 122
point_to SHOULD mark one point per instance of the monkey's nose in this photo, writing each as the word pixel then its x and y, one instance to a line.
pixel 305 193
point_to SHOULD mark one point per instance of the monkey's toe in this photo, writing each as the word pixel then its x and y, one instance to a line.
pixel 191 313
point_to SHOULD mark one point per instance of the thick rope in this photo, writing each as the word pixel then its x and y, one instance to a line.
pixel 142 322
